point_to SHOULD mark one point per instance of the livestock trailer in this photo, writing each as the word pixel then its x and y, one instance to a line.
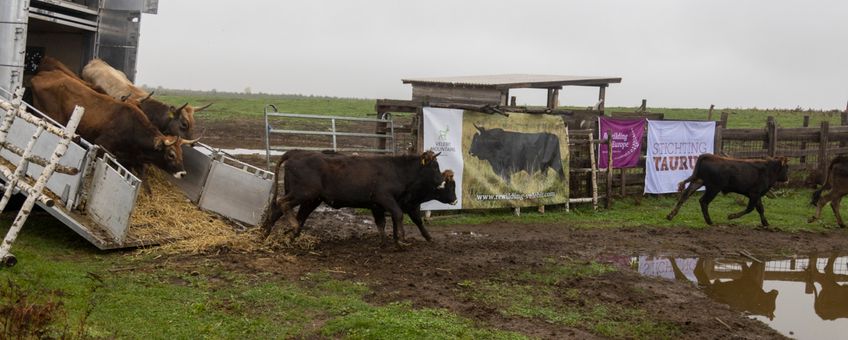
pixel 97 202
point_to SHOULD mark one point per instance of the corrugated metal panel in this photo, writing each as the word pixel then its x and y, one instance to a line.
pixel 514 80
pixel 13 32
pixel 112 197
pixel 237 190
pixel 118 39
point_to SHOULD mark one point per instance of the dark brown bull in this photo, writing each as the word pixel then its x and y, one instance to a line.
pixel 396 184
pixel 168 119
pixel 837 182
pixel 750 177
pixel 120 128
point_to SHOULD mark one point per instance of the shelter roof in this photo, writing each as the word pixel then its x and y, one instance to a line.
pixel 509 81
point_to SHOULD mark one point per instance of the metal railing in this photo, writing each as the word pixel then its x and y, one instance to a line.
pixel 334 133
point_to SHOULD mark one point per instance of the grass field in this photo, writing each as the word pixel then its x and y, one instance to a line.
pixel 230 105
pixel 65 288
pixel 129 294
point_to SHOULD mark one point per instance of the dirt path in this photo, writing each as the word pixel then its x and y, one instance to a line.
pixel 431 274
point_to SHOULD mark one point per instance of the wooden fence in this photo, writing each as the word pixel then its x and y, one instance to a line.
pixel 809 149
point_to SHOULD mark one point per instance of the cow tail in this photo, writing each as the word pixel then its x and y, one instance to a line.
pixel 828 173
pixel 278 176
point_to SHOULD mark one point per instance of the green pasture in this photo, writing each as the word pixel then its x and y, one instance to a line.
pixel 136 294
pixel 65 288
pixel 250 106
pixel 787 211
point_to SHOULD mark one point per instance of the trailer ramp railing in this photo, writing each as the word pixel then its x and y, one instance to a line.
pixel 16 181
pixel 384 132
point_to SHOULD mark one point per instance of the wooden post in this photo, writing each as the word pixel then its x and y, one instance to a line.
pixel 710 115
pixel 724 117
pixel 824 137
pixel 609 170
pixel 623 180
pixel 602 98
pixel 380 129
pixel 512 101
pixel 419 134
pixel 516 211
pixel 771 132
pixel 644 107
pixel 594 166
pixel 718 142
pixel 803 158
pixel 844 120
pixel 553 98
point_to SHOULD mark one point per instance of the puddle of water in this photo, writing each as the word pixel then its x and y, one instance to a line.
pixel 467 233
pixel 802 297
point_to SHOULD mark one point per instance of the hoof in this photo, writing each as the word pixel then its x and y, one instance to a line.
pixel 811 219
pixel 669 217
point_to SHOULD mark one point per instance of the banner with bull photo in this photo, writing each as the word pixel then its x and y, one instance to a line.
pixel 627 136
pixel 673 149
pixel 499 161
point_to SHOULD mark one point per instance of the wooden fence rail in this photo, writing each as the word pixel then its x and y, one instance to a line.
pixel 809 149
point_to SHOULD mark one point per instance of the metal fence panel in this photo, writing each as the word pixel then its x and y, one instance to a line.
pixel 237 190
pixel 66 187
pixel 112 197
pixel 197 164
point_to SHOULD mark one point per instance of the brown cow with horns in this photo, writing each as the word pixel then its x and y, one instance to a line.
pixel 119 127
pixel 170 120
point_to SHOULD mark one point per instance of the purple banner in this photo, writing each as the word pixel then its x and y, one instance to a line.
pixel 627 136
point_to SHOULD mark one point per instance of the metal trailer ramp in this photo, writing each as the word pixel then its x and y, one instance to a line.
pixel 97 202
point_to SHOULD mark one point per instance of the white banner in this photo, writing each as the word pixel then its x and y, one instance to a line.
pixel 443 133
pixel 673 149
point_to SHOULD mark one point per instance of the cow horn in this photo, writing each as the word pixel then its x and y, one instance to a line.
pixel 125 97
pixel 148 97
pixel 191 141
pixel 437 154
pixel 202 107
pixel 180 108
pixel 478 128
pixel 171 142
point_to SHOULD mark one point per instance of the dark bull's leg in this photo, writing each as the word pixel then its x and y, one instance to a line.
pixel 762 212
pixel 819 205
pixel 305 210
pixel 274 214
pixel 752 203
pixel 380 221
pixel 835 206
pixel 415 216
pixel 705 200
pixel 694 186
pixel 283 207
pixel 389 204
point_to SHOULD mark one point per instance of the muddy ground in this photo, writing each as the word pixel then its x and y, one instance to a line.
pixel 430 274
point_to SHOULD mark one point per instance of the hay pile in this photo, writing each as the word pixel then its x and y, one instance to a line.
pixel 167 217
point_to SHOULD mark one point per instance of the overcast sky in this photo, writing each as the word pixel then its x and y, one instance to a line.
pixel 765 54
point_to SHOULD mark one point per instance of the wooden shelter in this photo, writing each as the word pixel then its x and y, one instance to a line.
pixel 494 89
pixel 491 93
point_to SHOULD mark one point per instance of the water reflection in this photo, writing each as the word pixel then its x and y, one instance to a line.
pixel 805 296
pixel 831 301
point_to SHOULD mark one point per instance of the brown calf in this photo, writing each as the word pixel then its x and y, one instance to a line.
pixel 837 182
